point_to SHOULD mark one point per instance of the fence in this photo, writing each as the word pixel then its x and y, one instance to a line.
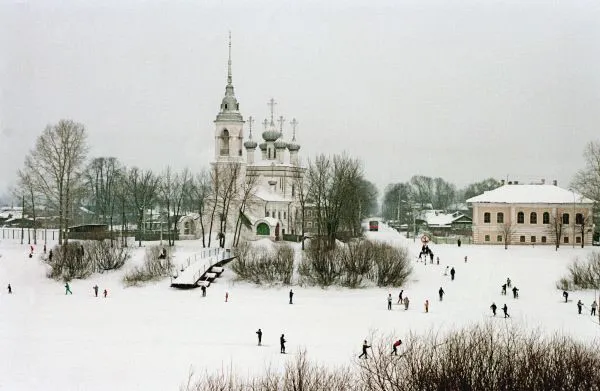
pixel 29 234
pixel 451 239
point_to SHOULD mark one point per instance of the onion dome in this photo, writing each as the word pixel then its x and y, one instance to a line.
pixel 263 146
pixel 271 135
pixel 293 146
pixel 250 144
pixel 280 144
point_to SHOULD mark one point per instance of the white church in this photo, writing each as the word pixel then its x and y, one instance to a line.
pixel 273 208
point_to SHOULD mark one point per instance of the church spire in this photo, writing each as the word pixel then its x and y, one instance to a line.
pixel 229 78
pixel 230 108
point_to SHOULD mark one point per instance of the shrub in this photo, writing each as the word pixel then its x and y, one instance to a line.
pixel 583 275
pixel 259 265
pixel 153 268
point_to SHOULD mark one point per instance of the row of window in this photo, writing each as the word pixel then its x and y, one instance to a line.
pixel 532 239
pixel 272 214
pixel 533 218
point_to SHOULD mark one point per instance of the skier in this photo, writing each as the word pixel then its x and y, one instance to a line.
pixel 579 307
pixel 426 306
pixel 96 290
pixel 203 291
pixel 291 296
pixel 395 347
pixel 458 242
pixel 508 282
pixel 494 307
pixel 10 292
pixel 505 310
pixel 105 293
pixel 503 289
pixel 364 350
pixel 441 293
pixel 465 259
pixel 565 295
pixel 282 342
pixel 431 256
pixel 400 296
pixel 452 273
pixel 437 260
pixel 67 289
pixel 390 301
pixel 406 302
pixel 593 313
pixel 515 292
pixel 259 333
pixel 50 255
pixel 226 296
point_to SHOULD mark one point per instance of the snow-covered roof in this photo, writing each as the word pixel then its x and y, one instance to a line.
pixel 530 194
pixel 268 195
pixel 437 218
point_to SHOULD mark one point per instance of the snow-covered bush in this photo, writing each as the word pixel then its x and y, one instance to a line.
pixel 155 267
pixel 261 265
pixel 584 275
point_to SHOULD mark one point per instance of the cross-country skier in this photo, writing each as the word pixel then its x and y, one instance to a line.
pixel 565 295
pixel 67 289
pixel 426 306
pixel 515 292
pixel 390 301
pixel 437 259
pixel 226 296
pixel 465 259
pixel 452 273
pixel 494 307
pixel 364 350
pixel 508 282
pixel 105 293
pixel 441 293
pixel 406 302
pixel 291 296
pixel 400 296
pixel 505 309
pixel 10 291
pixel 96 290
pixel 203 291
pixel 259 333
pixel 282 342
pixel 503 289
pixel 594 305
pixel 395 347
pixel 579 306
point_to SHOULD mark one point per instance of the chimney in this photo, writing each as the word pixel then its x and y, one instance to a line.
pixel 555 182
pixel 543 181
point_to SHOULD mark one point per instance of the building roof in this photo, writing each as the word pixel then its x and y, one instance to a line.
pixel 530 194
pixel 437 218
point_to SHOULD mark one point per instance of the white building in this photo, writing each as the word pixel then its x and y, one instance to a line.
pixel 532 214
pixel 273 206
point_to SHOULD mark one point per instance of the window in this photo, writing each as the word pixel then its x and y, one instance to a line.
pixel 279 215
pixel 578 239
pixel 284 216
pixel 486 217
pixel 263 229
pixel 269 153
pixel 499 238
pixel 546 218
pixel 566 239
pixel 543 239
pixel 500 217
pixel 239 152
pixel 520 218
pixel 266 213
pixel 522 239
pixel 579 219
pixel 533 218
pixel 565 218
pixel 487 238
pixel 533 239
pixel 225 106
pixel 225 143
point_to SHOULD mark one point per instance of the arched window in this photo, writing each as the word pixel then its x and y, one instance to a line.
pixel 262 229
pixel 293 191
pixel 225 143
pixel 269 153
pixel 486 217
pixel 186 228
pixel 225 106
pixel 579 219
pixel 546 218
pixel 533 218
pixel 520 218
pixel 565 218
pixel 500 217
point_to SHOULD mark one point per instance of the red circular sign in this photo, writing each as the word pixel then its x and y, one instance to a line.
pixel 424 239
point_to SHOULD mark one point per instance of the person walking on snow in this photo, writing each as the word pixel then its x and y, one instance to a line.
pixel 515 292
pixel 96 290
pixel 50 255
pixel 426 306
pixel 452 273
pixel 441 293
pixel 203 291
pixel 226 296
pixel 390 301
pixel 10 292
pixel 565 295
pixel 400 296
pixel 67 289
pixel 494 307
pixel 593 312
pixel 364 350
pixel 508 282
pixel 505 310
pixel 465 259
pixel 431 256
pixel 395 347
pixel 446 271
pixel 437 259
pixel 105 293
pixel 259 333
pixel 282 342
pixel 503 289
pixel 291 296
pixel 406 302
pixel 579 307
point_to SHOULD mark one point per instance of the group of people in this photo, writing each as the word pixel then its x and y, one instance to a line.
pixel 580 304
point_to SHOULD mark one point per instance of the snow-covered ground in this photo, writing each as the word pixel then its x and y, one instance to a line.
pixel 149 338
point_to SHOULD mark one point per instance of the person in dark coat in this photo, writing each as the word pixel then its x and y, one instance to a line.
pixel 458 242
pixel 395 347
pixel 259 333
pixel 50 255
pixel 593 308
pixel 452 273
pixel 67 289
pixel 505 310
pixel 494 307
pixel 515 292
pixel 203 291
pixel 282 342
pixel 389 301
pixel 96 290
pixel 431 256
pixel 105 293
pixel 9 289
pixel 565 295
pixel 291 296
pixel 503 289
pixel 364 350
pixel 44 248
pixel 508 282
pixel 441 293
pixel 400 296
pixel 579 306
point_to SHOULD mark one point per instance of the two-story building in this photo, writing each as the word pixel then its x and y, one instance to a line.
pixel 532 214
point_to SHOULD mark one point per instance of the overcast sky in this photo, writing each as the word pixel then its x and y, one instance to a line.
pixel 460 89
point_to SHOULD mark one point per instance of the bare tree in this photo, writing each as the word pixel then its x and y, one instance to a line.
pixel 229 191
pixel 55 166
pixel 301 190
pixel 247 191
pixel 172 189
pixel 26 186
pixel 583 224
pixel 197 198
pixel 142 188
pixel 556 228
pixel 507 230
pixel 587 180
